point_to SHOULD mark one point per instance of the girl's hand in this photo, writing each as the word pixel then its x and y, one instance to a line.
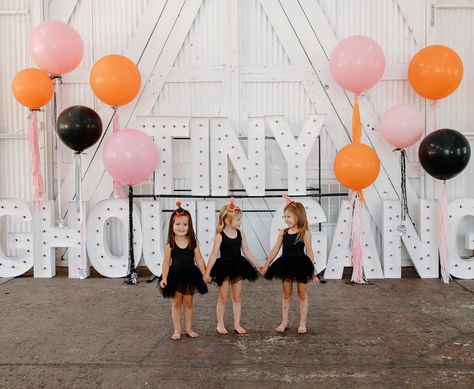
pixel 314 280
pixel 207 278
pixel 264 269
pixel 260 270
pixel 163 284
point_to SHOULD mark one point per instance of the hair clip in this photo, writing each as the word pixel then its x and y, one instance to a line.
pixel 179 211
pixel 231 207
pixel 288 200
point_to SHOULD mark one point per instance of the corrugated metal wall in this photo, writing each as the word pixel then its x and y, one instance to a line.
pixel 233 65
pixel 454 27
pixel 16 21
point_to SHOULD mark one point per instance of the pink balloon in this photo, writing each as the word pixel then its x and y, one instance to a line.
pixel 56 47
pixel 357 63
pixel 402 126
pixel 130 156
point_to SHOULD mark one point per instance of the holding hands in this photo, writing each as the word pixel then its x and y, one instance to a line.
pixel 207 278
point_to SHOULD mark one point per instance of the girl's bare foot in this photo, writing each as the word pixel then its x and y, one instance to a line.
pixel 222 330
pixel 302 329
pixel 282 327
pixel 176 336
pixel 192 334
pixel 240 330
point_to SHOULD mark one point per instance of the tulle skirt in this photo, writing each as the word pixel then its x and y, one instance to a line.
pixel 299 269
pixel 234 269
pixel 185 281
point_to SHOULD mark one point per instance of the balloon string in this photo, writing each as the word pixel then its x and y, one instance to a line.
pixel 117 185
pixel 80 210
pixel 83 261
pixel 356 129
pixel 356 236
pixel 442 235
pixel 403 185
pixel 132 277
pixel 54 118
pixel 434 105
pixel 35 158
pixel 78 184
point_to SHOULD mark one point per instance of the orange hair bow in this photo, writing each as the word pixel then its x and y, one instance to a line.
pixel 179 211
pixel 288 200
pixel 231 207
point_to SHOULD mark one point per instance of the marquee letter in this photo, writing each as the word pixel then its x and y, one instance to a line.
pixel 251 170
pixel 461 268
pixel 13 266
pixel 47 238
pixel 206 226
pixel 340 255
pixel 163 130
pixel 296 152
pixel 200 156
pixel 101 258
pixel 423 249
pixel 152 235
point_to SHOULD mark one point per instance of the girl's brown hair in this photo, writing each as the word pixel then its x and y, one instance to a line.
pixel 227 212
pixel 191 235
pixel 297 209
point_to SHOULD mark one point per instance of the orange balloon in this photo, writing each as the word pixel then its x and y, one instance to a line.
pixel 435 72
pixel 115 80
pixel 356 166
pixel 32 87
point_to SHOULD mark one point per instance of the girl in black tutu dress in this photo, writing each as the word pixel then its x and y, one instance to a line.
pixel 181 278
pixel 231 268
pixel 294 264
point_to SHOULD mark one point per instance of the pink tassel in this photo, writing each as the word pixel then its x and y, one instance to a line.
pixel 35 158
pixel 117 185
pixel 357 271
pixel 442 235
pixel 288 200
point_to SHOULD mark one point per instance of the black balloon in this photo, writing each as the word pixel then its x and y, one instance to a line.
pixel 79 127
pixel 444 153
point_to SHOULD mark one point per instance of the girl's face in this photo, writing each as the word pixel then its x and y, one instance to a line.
pixel 181 226
pixel 235 222
pixel 290 218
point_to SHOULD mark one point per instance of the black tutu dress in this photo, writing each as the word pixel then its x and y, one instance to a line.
pixel 231 264
pixel 183 276
pixel 294 264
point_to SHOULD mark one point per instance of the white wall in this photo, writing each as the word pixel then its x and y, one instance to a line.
pixel 231 64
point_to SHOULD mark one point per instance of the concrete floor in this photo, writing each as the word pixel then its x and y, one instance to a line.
pixel 101 333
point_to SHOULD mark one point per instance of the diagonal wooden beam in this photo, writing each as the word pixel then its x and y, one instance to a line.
pixel 414 16
pixel 151 17
pixel 147 45
pixel 388 183
pixel 62 9
pixel 313 88
pixel 301 27
pixel 173 38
